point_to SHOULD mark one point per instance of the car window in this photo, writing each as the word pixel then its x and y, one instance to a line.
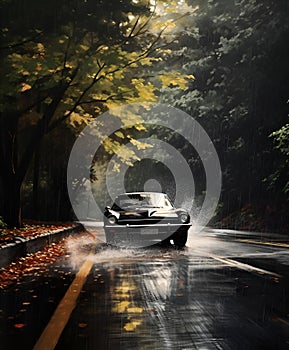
pixel 142 200
pixel 130 201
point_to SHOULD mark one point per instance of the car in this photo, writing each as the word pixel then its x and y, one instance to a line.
pixel 145 218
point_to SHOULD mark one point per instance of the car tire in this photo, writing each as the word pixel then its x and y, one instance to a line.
pixel 180 239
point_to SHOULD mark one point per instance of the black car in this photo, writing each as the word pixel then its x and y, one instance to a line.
pixel 145 218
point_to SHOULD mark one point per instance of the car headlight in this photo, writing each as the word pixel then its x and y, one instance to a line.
pixel 111 220
pixel 184 217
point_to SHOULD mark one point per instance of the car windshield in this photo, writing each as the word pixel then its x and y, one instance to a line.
pixel 137 200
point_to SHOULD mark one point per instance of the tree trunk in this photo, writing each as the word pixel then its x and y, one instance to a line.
pixel 8 164
pixel 12 202
pixel 13 169
pixel 36 171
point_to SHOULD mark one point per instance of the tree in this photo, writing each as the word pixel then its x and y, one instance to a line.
pixel 279 178
pixel 66 62
pixel 238 52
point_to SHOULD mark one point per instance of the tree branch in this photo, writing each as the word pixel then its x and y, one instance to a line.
pixel 41 128
pixel 95 79
pixel 23 42
pixel 147 21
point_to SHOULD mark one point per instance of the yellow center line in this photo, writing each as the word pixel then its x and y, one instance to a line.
pixel 280 245
pixel 51 334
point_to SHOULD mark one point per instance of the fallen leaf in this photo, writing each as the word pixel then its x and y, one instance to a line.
pixel 82 325
pixel 19 325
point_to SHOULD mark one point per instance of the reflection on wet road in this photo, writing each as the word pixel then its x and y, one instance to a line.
pixel 162 298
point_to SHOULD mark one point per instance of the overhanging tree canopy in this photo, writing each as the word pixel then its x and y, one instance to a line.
pixel 67 61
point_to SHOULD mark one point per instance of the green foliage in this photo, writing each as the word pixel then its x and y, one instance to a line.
pixel 238 53
pixel 68 61
pixel 2 223
pixel 87 57
pixel 281 139
pixel 279 178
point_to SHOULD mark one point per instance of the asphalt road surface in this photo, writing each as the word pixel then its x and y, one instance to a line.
pixel 225 290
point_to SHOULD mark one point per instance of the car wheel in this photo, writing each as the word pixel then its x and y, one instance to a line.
pixel 180 239
pixel 111 220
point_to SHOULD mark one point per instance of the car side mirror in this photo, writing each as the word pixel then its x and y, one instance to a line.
pixel 107 207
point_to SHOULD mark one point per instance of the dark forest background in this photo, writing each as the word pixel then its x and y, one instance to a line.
pixel 225 64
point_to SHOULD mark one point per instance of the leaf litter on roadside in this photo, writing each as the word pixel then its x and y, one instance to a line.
pixel 37 263
pixel 29 230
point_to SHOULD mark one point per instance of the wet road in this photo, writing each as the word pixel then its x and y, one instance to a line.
pixel 223 291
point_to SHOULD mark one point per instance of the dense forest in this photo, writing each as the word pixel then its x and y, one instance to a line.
pixel 224 63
